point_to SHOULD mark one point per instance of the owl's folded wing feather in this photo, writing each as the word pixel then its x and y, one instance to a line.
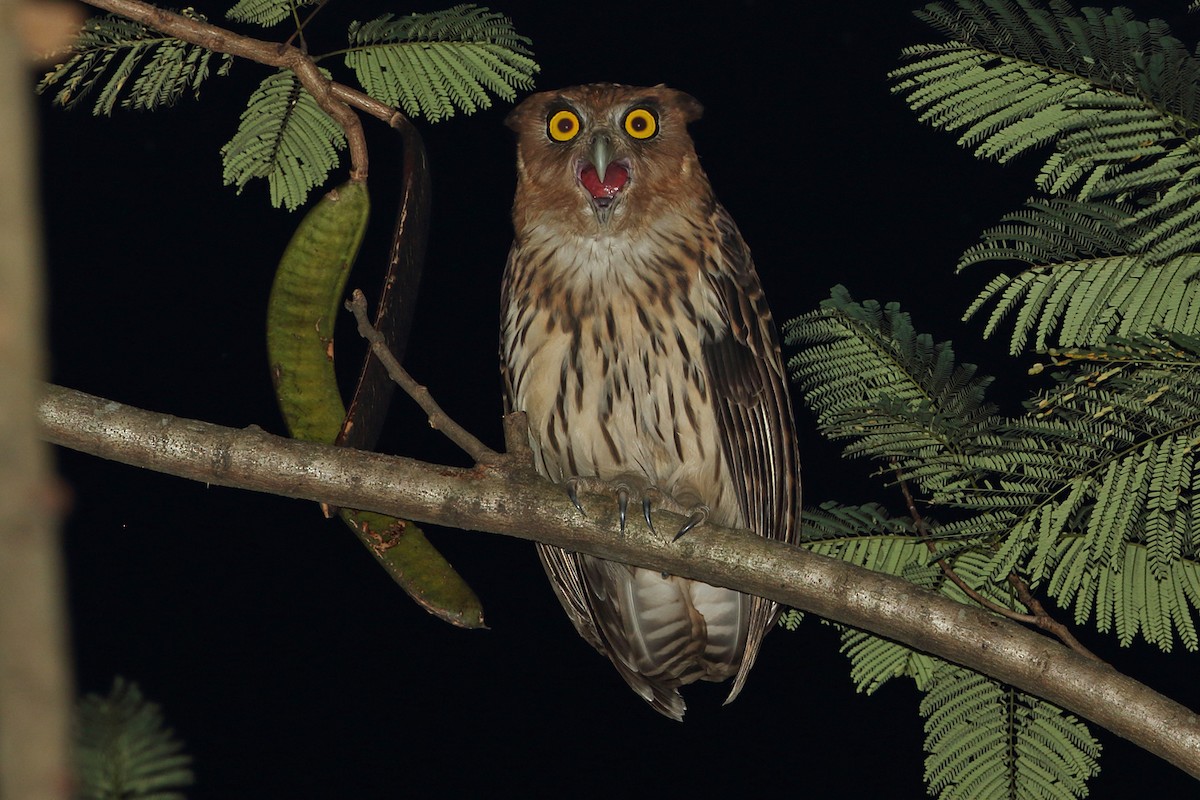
pixel 754 413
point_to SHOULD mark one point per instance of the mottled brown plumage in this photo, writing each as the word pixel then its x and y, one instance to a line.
pixel 635 336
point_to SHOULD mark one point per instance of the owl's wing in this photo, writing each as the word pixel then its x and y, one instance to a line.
pixel 754 413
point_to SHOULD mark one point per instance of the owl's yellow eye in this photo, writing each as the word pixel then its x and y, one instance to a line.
pixel 563 125
pixel 641 123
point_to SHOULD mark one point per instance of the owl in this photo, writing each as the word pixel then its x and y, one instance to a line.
pixel 636 338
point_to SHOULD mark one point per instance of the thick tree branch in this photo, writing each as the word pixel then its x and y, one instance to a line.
pixel 498 500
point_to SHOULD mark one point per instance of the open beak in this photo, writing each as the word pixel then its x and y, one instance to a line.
pixel 601 154
pixel 601 176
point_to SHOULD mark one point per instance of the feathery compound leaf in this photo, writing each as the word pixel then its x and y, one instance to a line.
pixel 874 661
pixel 1094 494
pixel 110 51
pixel 122 749
pixel 285 137
pixel 870 377
pixel 265 12
pixel 1115 96
pixel 987 741
pixel 1105 462
pixel 431 63
pixel 864 536
pixel 1126 596
pixel 1079 282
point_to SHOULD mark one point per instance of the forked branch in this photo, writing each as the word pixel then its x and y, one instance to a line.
pixel 1040 618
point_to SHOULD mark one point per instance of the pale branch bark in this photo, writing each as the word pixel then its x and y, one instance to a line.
pixel 499 500
pixel 439 420
pixel 333 98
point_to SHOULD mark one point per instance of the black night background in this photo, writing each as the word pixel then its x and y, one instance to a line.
pixel 287 660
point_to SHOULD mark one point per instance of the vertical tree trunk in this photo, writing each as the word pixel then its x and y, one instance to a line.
pixel 34 684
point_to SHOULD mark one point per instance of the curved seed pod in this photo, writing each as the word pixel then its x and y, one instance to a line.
pixel 301 313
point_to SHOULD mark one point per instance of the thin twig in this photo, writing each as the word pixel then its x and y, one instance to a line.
pixel 301 24
pixel 1039 618
pixel 949 572
pixel 438 419
pixel 334 102
pixel 1045 621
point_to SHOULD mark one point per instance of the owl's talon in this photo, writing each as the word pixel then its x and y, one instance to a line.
pixel 698 517
pixel 646 514
pixel 622 505
pixel 573 494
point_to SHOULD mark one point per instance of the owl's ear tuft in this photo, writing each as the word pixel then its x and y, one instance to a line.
pixel 513 118
pixel 688 106
pixel 534 103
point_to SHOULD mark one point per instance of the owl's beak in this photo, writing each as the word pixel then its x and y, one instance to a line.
pixel 601 154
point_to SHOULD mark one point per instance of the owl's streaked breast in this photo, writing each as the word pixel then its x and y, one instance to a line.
pixel 594 343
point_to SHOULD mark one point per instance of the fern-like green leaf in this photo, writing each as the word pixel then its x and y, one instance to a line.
pixel 1113 94
pixel 1126 594
pixel 430 64
pixel 123 751
pixel 129 63
pixel 874 661
pixel 1105 462
pixel 1081 286
pixel 1097 490
pixel 1112 98
pixel 285 137
pixel 899 396
pixel 265 12
pixel 866 536
pixel 986 741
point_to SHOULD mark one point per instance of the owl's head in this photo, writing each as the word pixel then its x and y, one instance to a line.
pixel 605 158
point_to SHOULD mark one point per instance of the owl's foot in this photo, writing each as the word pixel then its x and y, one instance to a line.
pixel 688 503
pixel 626 487
pixel 630 486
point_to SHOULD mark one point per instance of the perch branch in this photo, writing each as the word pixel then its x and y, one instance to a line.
pixel 499 499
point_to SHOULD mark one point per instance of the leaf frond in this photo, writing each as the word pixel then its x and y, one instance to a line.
pixel 265 12
pixel 985 740
pixel 1115 97
pixel 285 137
pixel 1112 101
pixel 433 64
pixel 899 396
pixel 130 64
pixel 1081 284
pixel 123 750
